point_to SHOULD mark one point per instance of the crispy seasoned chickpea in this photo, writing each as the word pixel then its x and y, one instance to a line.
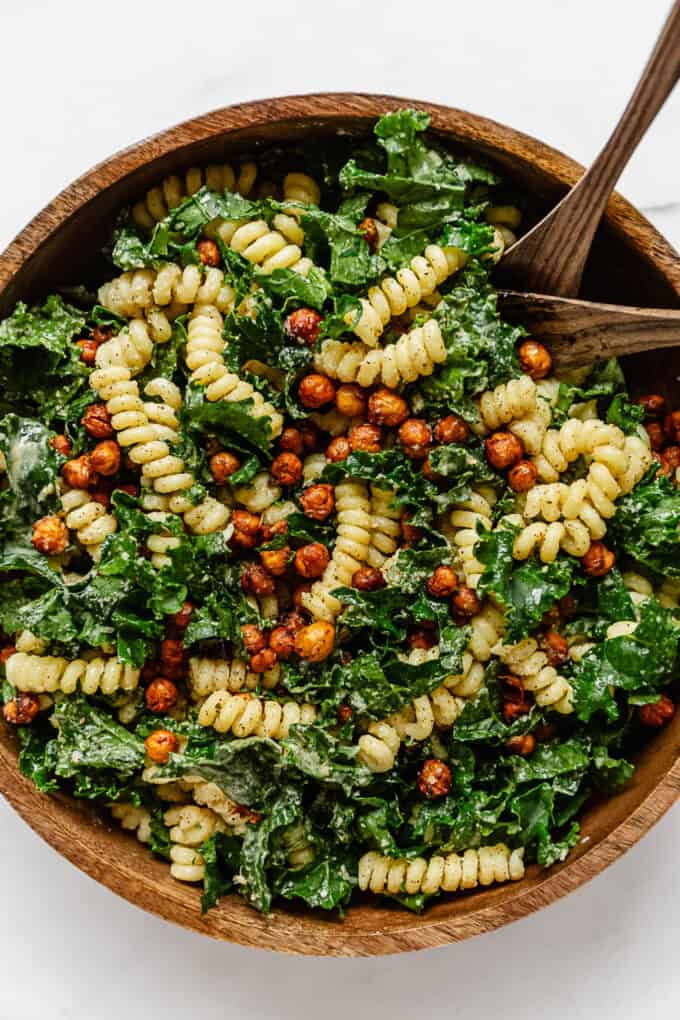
pixel 246 522
pixel 338 449
pixel 298 592
pixel 408 531
pixel 368 579
pixel 50 536
pixel 100 334
pixel 657 436
pixel 255 580
pixel 465 603
pixel 315 390
pixel 434 778
pixel 654 406
pixel 670 459
pixel 415 436
pixel 7 652
pixel 208 252
pixel 105 458
pixel 310 436
pixel 270 530
pixel 428 471
pixel 442 583
pixel 311 560
pixel 503 450
pixel 172 657
pixel 160 745
pixel 290 441
pixel 241 540
pixel 522 476
pixel 318 501
pixel 365 437
pixel 315 641
pixel 223 465
pixel 599 560
pixel 78 473
pixel 253 638
pixel 452 429
pixel 422 637
pixel 344 714
pixel 292 621
pixel 264 660
pixel 160 695
pixel 671 426
pixel 304 324
pixel 556 648
pixel 535 359
pixel 62 444
pixel 88 351
pixel 286 469
pixel 369 228
pixel 385 407
pixel 22 709
pixel 350 399
pixel 515 699
pixel 276 560
pixel 97 422
pixel 282 642
pixel 657 714
pixel 523 744
pixel 181 619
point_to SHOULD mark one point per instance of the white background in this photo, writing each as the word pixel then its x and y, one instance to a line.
pixel 82 79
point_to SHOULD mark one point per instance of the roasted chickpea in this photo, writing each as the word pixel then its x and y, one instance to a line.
pixel 428 471
pixel 270 530
pixel 534 359
pixel 434 778
pixel 338 449
pixel 671 426
pixel 368 579
pixel 515 700
pixel 246 522
pixel 172 657
pixel 599 560
pixel 22 709
pixel 253 638
pixel 88 351
pixel 522 476
pixel 282 642
pixel 6 654
pixel 264 660
pixel 293 621
pixel 422 637
pixel 105 458
pixel 298 592
pixel 290 441
pixel 523 744
pixel 556 648
pixel 415 436
pixel 50 536
pixel 315 641
pixel 344 714
pixel 315 390
pixel 657 714
pixel 255 580
pixel 78 473
pixel 350 400
pixel 304 324
pixel 442 583
pixel 654 406
pixel 286 469
pixel 276 560
pixel 465 603
pixel 503 450
pixel 318 501
pixel 160 695
pixel 670 459
pixel 241 540
pixel 365 437
pixel 100 334
pixel 408 531
pixel 181 619
pixel 160 745
pixel 657 436
pixel 61 444
pixel 97 422
pixel 452 429
pixel 311 560
pixel 310 436
pixel 223 465
pixel 385 407
pixel 208 252
pixel 369 228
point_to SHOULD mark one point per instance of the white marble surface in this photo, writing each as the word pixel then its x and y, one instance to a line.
pixel 80 80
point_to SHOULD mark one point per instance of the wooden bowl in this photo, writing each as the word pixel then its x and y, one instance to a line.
pixel 631 264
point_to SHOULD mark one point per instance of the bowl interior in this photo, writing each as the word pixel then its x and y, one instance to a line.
pixel 630 264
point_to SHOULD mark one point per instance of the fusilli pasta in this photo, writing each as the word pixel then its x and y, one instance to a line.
pixel 48 673
pixel 484 866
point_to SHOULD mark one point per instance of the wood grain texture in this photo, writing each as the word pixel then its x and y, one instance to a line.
pixel 579 332
pixel 633 264
pixel 550 258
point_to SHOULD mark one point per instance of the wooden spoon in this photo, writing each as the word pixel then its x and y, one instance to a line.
pixel 578 332
pixel 550 258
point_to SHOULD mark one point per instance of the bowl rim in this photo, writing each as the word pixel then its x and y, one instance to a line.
pixel 59 820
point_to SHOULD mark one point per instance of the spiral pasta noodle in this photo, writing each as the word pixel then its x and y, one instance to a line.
pixel 133 819
pixel 485 866
pixel 235 817
pixel 278 246
pixel 464 520
pixel 89 519
pixel 385 527
pixel 410 285
pixel 191 825
pixel 511 400
pixel 415 354
pixel 354 523
pixel 243 715
pixel 299 187
pixel 209 675
pixel 131 348
pixel 487 627
pixel 160 200
pixel 531 665
pixel 44 674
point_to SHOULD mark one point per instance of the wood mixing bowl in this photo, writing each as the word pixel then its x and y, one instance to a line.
pixel 631 264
